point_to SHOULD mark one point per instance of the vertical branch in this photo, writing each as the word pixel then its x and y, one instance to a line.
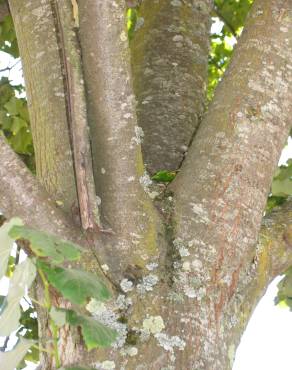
pixel 39 50
pixel 221 190
pixel 115 137
pixel 169 52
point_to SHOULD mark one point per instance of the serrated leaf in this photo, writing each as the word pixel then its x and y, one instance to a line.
pixel 94 333
pixel 47 245
pixel 76 285
pixel 58 316
pixel 12 358
pixel 22 278
pixel 6 243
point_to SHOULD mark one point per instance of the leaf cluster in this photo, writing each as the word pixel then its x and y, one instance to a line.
pixel 48 257
pixel 14 118
pixel 232 14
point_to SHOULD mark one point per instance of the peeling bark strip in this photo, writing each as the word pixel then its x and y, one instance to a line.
pixel 169 59
pixel 77 113
pixel 36 35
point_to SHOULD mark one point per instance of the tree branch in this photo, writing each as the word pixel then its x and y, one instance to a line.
pixel 115 138
pixel 226 176
pixel 4 10
pixel 221 191
pixel 35 26
pixel 22 196
pixel 170 86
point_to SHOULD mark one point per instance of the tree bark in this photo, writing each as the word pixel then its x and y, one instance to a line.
pixel 127 211
pixel 4 10
pixel 37 36
pixel 169 60
pixel 199 276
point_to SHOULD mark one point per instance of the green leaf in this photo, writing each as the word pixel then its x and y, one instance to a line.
pixel 18 124
pixel 12 358
pixel 164 176
pixel 94 333
pixel 274 201
pixel 29 322
pixel 58 316
pixel 282 187
pixel 6 244
pixel 76 285
pixel 46 245
pixel 6 91
pixel 22 278
pixel 21 142
pixel 14 106
pixel 285 171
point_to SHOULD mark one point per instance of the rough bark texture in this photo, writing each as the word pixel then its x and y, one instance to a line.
pixel 22 196
pixel 4 10
pixel 218 213
pixel 35 24
pixel 169 57
pixel 77 114
pixel 127 212
pixel 198 279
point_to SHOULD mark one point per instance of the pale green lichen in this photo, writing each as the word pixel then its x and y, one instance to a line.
pixel 105 365
pixel 126 285
pixel 95 307
pixel 170 342
pixel 123 36
pixel 147 284
pixel 129 351
pixel 153 324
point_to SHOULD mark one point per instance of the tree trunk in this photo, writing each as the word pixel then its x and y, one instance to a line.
pixel 199 256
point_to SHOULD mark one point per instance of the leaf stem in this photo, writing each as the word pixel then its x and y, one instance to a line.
pixel 48 306
pixel 48 303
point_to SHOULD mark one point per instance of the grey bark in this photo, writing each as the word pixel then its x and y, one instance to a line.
pixel 128 215
pixel 35 25
pixel 169 53
pixel 211 274
pixel 221 191
pixel 22 196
